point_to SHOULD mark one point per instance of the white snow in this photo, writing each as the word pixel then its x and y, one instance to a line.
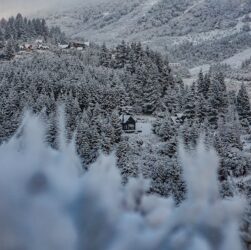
pixel 63 46
pixel 194 74
pixel 236 60
pixel 195 71
pixel 144 124
pixel 125 118
pixel 106 13
pixel 193 6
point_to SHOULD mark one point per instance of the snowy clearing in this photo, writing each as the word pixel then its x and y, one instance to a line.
pixel 236 60
pixel 144 124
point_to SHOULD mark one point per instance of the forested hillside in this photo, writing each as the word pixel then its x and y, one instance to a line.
pixel 198 26
pixel 19 29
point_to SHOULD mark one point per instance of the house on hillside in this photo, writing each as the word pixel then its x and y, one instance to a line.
pixel 64 46
pixel 39 41
pixel 78 45
pixel 26 47
pixel 42 47
pixel 128 123
pixel 175 65
pixel 75 45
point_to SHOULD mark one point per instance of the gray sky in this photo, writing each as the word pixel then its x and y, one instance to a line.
pixel 12 7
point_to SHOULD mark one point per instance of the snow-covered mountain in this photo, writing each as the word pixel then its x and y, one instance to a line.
pixel 158 23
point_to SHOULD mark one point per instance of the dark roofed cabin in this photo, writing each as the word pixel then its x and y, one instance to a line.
pixel 128 123
pixel 77 45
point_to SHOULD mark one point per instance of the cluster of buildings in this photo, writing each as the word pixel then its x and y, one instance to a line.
pixel 37 45
pixel 75 45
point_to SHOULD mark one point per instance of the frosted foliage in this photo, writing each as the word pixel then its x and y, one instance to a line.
pixel 47 203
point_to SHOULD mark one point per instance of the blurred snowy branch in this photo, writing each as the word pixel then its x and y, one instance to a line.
pixel 46 205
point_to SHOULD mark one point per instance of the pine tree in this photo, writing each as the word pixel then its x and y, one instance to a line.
pixel 217 94
pixel 212 116
pixel 190 107
pixel 116 124
pixel 52 129
pixel 203 84
pixel 1 38
pixel 44 29
pixel 201 108
pixel 121 55
pixel 123 160
pixel 9 50
pixel 132 61
pixel 190 132
pixel 171 100
pixel 167 128
pixel 19 26
pixel 151 91
pixel 243 104
pixel 105 56
pixel 83 143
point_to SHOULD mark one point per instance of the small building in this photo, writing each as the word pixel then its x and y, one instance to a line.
pixel 64 46
pixel 39 41
pixel 78 45
pixel 128 123
pixel 175 65
pixel 42 47
pixel 26 47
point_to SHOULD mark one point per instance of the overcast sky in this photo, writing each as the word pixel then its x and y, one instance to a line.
pixel 12 7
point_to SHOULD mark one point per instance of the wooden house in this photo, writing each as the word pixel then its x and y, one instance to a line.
pixel 128 123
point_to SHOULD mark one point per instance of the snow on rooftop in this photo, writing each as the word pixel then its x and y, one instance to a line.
pixel 124 118
pixel 63 46
pixel 39 41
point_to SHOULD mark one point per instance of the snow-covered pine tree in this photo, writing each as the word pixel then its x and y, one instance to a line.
pixel 105 56
pixel 217 94
pixel 189 109
pixel 167 128
pixel 20 27
pixel 124 163
pixel 171 100
pixel 83 143
pixel 201 107
pixel 151 90
pixel 9 51
pixel 243 104
pixel 121 55
pixel 116 124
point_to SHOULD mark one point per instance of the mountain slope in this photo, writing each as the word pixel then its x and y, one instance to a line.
pixel 161 24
